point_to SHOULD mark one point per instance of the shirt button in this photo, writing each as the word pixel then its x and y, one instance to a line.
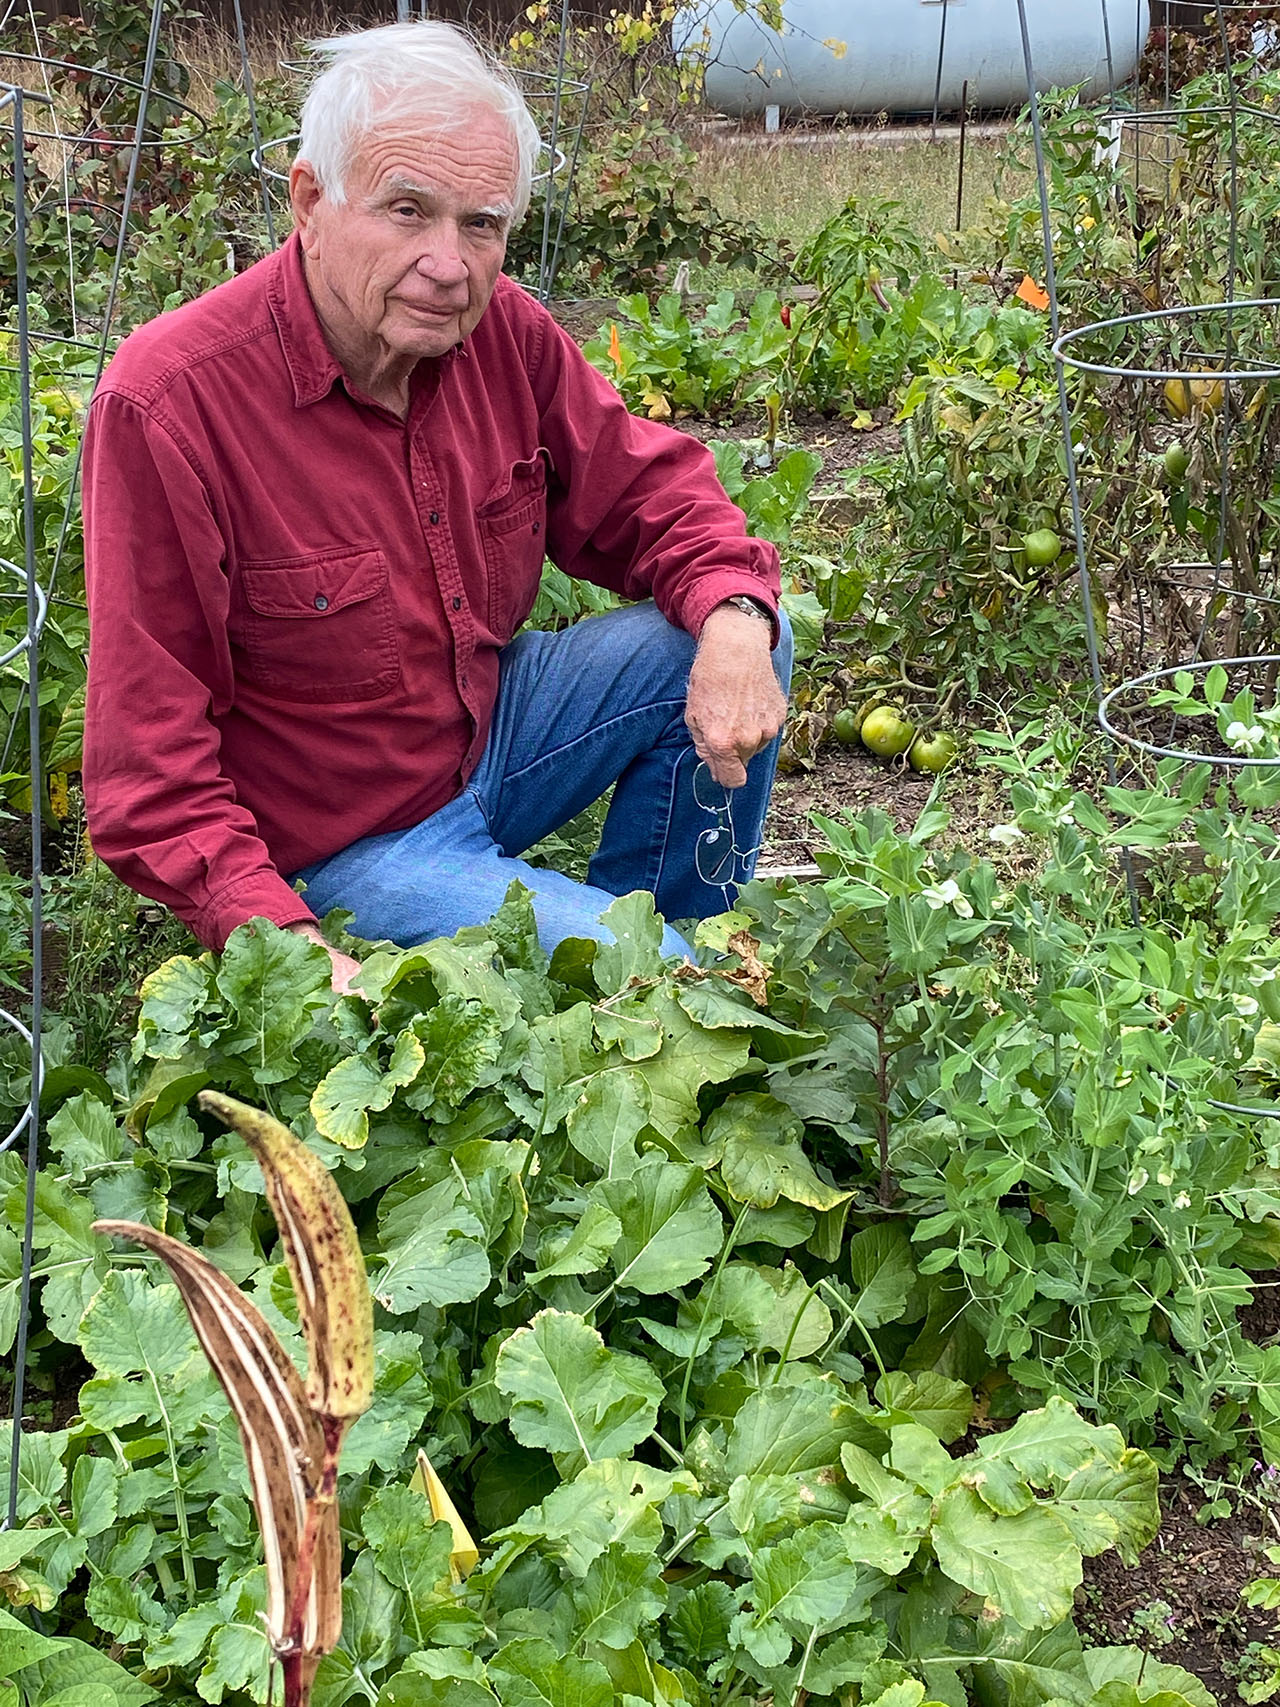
pixel 321 602
pixel 457 604
pixel 434 517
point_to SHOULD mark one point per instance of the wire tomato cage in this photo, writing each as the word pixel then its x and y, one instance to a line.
pixel 1191 711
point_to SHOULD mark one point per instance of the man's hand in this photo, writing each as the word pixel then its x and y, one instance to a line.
pixel 735 706
pixel 345 970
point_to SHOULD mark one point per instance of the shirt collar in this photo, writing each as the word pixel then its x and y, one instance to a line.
pixel 312 365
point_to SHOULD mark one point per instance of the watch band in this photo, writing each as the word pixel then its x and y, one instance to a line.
pixel 752 607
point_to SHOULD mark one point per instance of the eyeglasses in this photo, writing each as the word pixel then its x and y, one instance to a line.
pixel 717 858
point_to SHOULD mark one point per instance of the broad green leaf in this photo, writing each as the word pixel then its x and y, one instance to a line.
pixel 1150 1676
pixel 580 1247
pixel 916 1453
pixel 530 1672
pixel 412 1687
pixel 844 1659
pixel 22 1646
pixel 76 1254
pixel 758 1143
pixel 944 1407
pixel 272 980
pixel 797 1322
pixel 620 1592
pixel 95 1676
pixel 411 1551
pixel 804 1581
pixel 1049 1445
pixel 42 1476
pixel 612 1501
pixel 636 951
pixel 783 1430
pixel 610 1114
pixel 1118 1506
pixel 461 1041
pixel 670 1228
pixel 570 1394
pixel 434 1249
pixel 134 1327
pixel 1027 1566
pixel 372 1615
pixel 559 1060
pixel 171 999
pixel 700 1619
pixel 690 1058
pixel 343 1100
pixel 86 1136
pixel 883 1270
pixel 402 1396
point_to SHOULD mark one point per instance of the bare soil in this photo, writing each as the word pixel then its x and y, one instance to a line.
pixel 1181 1602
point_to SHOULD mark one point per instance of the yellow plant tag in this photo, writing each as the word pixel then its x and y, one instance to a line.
pixel 465 1555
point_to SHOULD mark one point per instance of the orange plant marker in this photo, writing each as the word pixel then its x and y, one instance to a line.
pixel 1030 293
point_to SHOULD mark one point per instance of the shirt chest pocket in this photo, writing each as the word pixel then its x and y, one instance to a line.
pixel 513 533
pixel 319 629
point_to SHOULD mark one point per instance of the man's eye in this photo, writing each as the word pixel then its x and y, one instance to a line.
pixel 405 210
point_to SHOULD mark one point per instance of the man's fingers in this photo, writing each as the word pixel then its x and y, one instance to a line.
pixel 728 772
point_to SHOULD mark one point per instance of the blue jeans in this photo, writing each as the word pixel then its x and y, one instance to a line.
pixel 599 703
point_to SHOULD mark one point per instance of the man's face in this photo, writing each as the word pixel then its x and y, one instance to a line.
pixel 407 264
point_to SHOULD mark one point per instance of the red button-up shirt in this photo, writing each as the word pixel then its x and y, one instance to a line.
pixel 298 599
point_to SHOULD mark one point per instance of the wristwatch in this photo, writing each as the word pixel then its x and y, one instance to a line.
pixel 752 607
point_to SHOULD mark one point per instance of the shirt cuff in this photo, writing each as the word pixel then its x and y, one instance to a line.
pixel 713 590
pixel 265 895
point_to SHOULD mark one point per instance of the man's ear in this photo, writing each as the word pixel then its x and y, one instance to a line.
pixel 305 194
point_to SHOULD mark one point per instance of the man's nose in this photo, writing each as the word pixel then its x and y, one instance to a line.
pixel 442 260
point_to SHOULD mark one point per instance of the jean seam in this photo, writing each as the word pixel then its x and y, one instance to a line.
pixel 591 734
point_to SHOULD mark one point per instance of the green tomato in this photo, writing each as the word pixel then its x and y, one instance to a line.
pixel 844 726
pixel 1042 547
pixel 932 752
pixel 1177 459
pixel 886 732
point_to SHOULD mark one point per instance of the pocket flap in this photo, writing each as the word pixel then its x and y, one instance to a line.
pixel 525 482
pixel 315 586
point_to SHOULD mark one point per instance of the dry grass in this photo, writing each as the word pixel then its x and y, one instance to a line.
pixel 788 189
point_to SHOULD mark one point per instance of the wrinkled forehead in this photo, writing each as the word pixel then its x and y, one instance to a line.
pixel 472 152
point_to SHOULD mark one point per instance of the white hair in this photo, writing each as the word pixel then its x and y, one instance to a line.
pixel 428 72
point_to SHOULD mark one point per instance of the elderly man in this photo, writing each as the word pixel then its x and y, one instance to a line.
pixel 317 504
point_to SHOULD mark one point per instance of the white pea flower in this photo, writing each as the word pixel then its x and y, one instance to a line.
pixel 1005 834
pixel 1137 1179
pixel 1182 1200
pixel 1245 737
pixel 1245 1006
pixel 1064 815
pixel 947 894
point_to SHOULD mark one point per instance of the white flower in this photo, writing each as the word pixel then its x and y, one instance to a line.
pixel 1064 815
pixel 1137 1179
pixel 947 894
pixel 1245 737
pixel 1005 834
pixel 1182 1200
pixel 1245 1006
